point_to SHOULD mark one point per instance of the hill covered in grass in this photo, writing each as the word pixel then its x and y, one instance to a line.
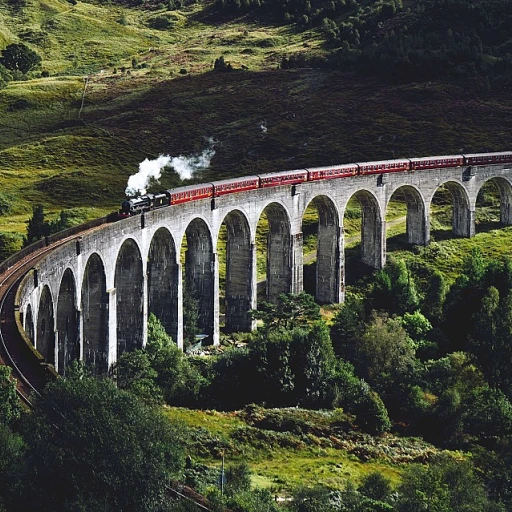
pixel 129 82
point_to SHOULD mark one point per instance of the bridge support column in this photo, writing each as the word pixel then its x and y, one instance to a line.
pixel 505 210
pixel 80 317
pixel 373 246
pixel 145 309
pixel 463 223
pixel 417 224
pixel 112 327
pixel 179 320
pixel 296 256
pixel 254 281
pixel 240 294
pixel 329 272
pixel 340 265
pixel 216 311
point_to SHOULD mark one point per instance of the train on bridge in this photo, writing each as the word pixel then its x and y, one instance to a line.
pixel 148 202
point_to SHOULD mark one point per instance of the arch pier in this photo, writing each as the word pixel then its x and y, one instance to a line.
pixel 91 299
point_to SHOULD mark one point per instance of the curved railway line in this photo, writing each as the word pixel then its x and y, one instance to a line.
pixel 28 367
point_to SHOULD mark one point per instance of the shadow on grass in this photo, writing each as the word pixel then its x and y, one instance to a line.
pixel 485 227
pixel 355 269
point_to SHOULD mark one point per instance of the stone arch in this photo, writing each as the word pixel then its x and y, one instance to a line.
pixel 279 252
pixel 239 272
pixel 94 305
pixel 417 226
pixel 45 337
pixel 67 322
pixel 463 220
pixel 163 279
pixel 199 274
pixel 29 323
pixel 505 189
pixel 129 285
pixel 373 251
pixel 328 275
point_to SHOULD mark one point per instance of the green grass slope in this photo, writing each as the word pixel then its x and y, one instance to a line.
pixel 127 84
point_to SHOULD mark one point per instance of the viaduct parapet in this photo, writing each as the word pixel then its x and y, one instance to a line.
pixel 90 299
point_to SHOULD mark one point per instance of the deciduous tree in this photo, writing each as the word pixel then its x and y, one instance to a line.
pixel 19 57
pixel 91 446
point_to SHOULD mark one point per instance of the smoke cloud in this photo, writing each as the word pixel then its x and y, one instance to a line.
pixel 185 166
pixel 151 170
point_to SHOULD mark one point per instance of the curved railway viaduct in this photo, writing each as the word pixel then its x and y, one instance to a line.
pixel 90 298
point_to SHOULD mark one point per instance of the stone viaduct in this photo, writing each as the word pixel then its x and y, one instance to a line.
pixel 90 299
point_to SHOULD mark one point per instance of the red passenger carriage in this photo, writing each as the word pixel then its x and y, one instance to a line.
pixel 277 179
pixel 488 158
pixel 401 164
pixel 233 185
pixel 190 193
pixel 436 162
pixel 337 171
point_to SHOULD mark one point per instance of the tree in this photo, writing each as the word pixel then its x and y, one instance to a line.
pixel 238 478
pixel 135 374
pixel 394 289
pixel 12 450
pixel 19 57
pixel 179 380
pixel 416 325
pixel 160 371
pixel 315 499
pixel 464 299
pixel 371 413
pixel 312 362
pixel 91 446
pixel 190 315
pixel 446 485
pixel 37 227
pixel 291 310
pixel 348 325
pixel 385 354
pixel 435 296
pixel 233 374
pixel 10 408
pixel 9 244
pixel 270 353
pixel 376 486
pixel 488 415
pixel 490 339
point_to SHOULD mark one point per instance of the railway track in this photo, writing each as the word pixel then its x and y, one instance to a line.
pixel 28 368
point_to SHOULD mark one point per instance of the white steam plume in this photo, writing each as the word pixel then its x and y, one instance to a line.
pixel 185 166
pixel 151 170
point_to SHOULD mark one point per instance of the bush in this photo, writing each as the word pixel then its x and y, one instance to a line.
pixel 5 76
pixel 10 243
pixel 371 413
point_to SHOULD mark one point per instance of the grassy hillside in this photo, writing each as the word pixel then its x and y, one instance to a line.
pixel 296 446
pixel 130 83
pixel 152 91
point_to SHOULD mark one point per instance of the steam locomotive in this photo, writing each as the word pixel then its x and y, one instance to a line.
pixel 137 205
